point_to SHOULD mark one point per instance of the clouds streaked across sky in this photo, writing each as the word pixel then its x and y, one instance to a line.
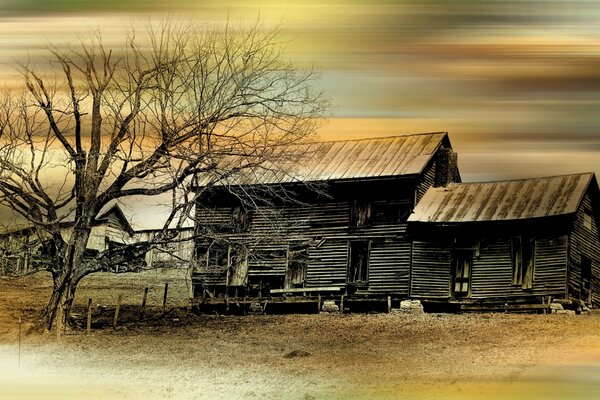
pixel 516 83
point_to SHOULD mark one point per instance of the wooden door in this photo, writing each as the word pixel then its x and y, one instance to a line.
pixel 461 273
pixel 296 267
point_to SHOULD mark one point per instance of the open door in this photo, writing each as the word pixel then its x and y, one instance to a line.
pixel 296 269
pixel 461 273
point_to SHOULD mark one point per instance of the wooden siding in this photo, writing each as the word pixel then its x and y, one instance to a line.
pixel 430 275
pixel 327 264
pixel 492 270
pixel 389 267
pixel 491 275
pixel 584 241
pixel 325 229
pixel 179 253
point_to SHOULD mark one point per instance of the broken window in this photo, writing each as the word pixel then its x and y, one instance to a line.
pixel 360 213
pixel 358 263
pixel 389 213
pixel 523 263
pixel 240 219
pixel 217 255
pixel 463 262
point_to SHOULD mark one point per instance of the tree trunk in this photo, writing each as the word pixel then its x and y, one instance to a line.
pixel 65 281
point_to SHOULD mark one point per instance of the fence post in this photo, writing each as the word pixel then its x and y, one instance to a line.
pixel 89 317
pixel 116 318
pixel 19 342
pixel 144 304
pixel 165 297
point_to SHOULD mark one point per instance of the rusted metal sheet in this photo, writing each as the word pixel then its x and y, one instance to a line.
pixel 502 200
pixel 335 160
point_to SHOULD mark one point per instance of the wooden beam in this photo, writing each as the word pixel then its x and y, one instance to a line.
pixel 307 290
pixel 501 307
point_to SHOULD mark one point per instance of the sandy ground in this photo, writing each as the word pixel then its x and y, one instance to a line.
pixel 319 356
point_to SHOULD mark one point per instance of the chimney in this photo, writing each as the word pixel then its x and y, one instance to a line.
pixel 446 169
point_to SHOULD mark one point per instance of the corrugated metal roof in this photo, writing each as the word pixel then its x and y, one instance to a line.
pixel 503 200
pixel 335 160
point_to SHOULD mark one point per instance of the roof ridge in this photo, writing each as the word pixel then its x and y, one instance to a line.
pixel 521 179
pixel 372 138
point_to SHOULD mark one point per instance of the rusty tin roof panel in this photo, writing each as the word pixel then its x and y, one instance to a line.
pixel 502 200
pixel 334 160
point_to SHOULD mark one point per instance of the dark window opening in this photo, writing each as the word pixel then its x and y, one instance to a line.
pixel 240 219
pixel 217 255
pixel 268 256
pixel 360 213
pixel 586 278
pixel 358 263
pixel 523 261
pixel 389 213
pixel 463 262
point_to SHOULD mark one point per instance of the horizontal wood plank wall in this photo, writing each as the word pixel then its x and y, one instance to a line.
pixel 389 267
pixel 492 270
pixel 327 264
pixel 584 241
pixel 431 264
pixel 550 265
pixel 325 228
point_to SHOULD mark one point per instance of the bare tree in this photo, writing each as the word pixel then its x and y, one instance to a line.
pixel 105 124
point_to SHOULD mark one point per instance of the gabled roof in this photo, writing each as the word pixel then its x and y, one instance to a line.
pixel 115 209
pixel 101 218
pixel 342 160
pixel 503 200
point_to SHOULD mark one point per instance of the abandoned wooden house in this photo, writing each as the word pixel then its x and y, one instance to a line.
pixel 338 229
pixel 176 253
pixel 25 249
pixel 509 243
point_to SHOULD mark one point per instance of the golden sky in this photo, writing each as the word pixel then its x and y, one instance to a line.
pixel 515 83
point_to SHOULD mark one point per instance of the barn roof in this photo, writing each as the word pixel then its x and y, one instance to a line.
pixel 342 159
pixel 503 200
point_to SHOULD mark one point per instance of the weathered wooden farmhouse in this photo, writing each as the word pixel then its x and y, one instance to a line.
pixel 509 242
pixel 332 224
pixel 177 253
pixel 22 250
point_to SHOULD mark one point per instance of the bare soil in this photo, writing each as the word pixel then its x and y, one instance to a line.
pixel 179 355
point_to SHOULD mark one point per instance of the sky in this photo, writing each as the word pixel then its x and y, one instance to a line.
pixel 515 83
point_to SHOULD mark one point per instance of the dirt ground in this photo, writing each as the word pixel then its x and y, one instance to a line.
pixel 319 356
